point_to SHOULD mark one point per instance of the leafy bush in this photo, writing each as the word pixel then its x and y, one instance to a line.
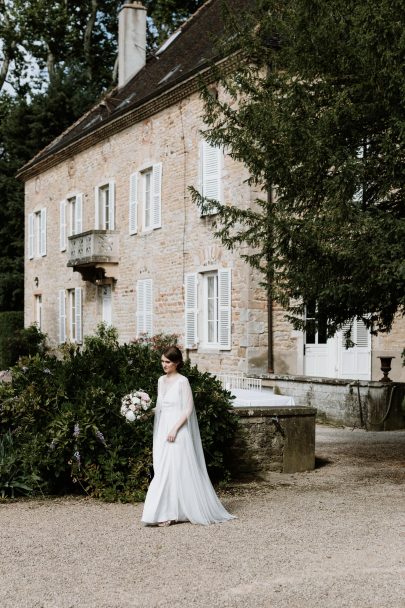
pixel 64 413
pixel 15 475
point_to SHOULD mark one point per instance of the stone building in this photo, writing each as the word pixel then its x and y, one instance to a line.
pixel 112 234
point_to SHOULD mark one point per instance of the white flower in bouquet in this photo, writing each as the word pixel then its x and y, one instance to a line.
pixel 130 416
pixel 134 405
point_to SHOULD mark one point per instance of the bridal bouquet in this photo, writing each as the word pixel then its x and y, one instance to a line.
pixel 134 405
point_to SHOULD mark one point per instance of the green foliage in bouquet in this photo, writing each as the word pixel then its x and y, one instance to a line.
pixel 63 413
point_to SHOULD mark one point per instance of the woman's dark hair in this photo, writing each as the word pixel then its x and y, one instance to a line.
pixel 174 355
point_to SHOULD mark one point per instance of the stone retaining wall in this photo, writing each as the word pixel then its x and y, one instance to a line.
pixel 376 406
pixel 274 439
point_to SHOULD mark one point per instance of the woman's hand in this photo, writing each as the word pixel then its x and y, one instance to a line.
pixel 172 435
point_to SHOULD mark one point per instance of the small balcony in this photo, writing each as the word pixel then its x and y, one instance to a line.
pixel 91 253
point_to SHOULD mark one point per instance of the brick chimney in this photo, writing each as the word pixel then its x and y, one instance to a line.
pixel 131 41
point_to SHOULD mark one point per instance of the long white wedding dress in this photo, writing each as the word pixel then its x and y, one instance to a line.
pixel 180 489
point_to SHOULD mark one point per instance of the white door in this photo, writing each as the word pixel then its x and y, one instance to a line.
pixel 316 349
pixel 355 362
pixel 106 297
pixel 320 352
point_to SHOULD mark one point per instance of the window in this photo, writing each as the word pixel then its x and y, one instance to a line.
pixel 37 234
pixel 211 307
pixel 210 171
pixel 144 305
pixel 106 304
pixel 105 206
pixel 70 218
pixel 145 192
pixel 38 311
pixel 70 315
pixel 208 309
pixel 313 334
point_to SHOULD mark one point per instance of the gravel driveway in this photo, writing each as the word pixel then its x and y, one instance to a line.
pixel 331 538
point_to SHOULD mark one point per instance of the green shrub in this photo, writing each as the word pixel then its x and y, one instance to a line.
pixel 16 474
pixel 10 323
pixel 65 415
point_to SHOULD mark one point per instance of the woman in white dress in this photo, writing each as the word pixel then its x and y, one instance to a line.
pixel 180 489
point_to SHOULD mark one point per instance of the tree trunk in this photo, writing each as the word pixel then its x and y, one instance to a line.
pixel 87 37
pixel 50 64
pixel 8 53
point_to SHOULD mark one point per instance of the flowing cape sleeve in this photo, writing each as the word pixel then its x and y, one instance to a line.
pixel 158 409
pixel 187 405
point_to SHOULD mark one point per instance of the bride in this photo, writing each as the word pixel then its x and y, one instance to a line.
pixel 180 489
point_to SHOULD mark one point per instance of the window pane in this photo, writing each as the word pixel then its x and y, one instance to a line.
pixel 148 176
pixel 211 332
pixel 73 315
pixel 106 197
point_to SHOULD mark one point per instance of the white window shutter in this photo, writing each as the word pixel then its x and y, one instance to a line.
pixel 355 362
pixel 224 308
pixel 144 307
pixel 363 335
pixel 78 315
pixel 62 225
pixel 148 307
pixel 31 224
pixel 133 203
pixel 42 237
pixel 157 195
pixel 111 194
pixel 79 214
pixel 97 208
pixel 191 309
pixel 140 323
pixel 210 171
pixel 62 316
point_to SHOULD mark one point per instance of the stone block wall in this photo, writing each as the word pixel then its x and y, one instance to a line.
pixel 372 405
pixel 274 439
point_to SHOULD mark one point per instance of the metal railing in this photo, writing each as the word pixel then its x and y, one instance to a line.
pixel 237 380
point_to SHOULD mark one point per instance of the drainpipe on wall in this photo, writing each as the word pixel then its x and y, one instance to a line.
pixel 270 354
pixel 131 41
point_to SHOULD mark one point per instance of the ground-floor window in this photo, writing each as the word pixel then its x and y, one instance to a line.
pixel 208 309
pixel 38 311
pixel 106 304
pixel 70 315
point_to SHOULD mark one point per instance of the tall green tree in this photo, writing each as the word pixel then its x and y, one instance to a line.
pixel 315 111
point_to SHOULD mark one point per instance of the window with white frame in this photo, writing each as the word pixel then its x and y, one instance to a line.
pixel 144 307
pixel 70 315
pixel 211 171
pixel 106 304
pixel 37 234
pixel 105 206
pixel 145 199
pixel 38 311
pixel 208 309
pixel 70 218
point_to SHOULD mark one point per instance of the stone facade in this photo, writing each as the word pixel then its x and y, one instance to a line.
pixel 183 244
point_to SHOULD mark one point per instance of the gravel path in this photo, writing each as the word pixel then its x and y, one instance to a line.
pixel 331 538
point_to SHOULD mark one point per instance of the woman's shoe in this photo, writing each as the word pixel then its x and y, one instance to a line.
pixel 164 524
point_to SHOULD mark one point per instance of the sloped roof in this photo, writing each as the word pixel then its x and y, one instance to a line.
pixel 190 50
